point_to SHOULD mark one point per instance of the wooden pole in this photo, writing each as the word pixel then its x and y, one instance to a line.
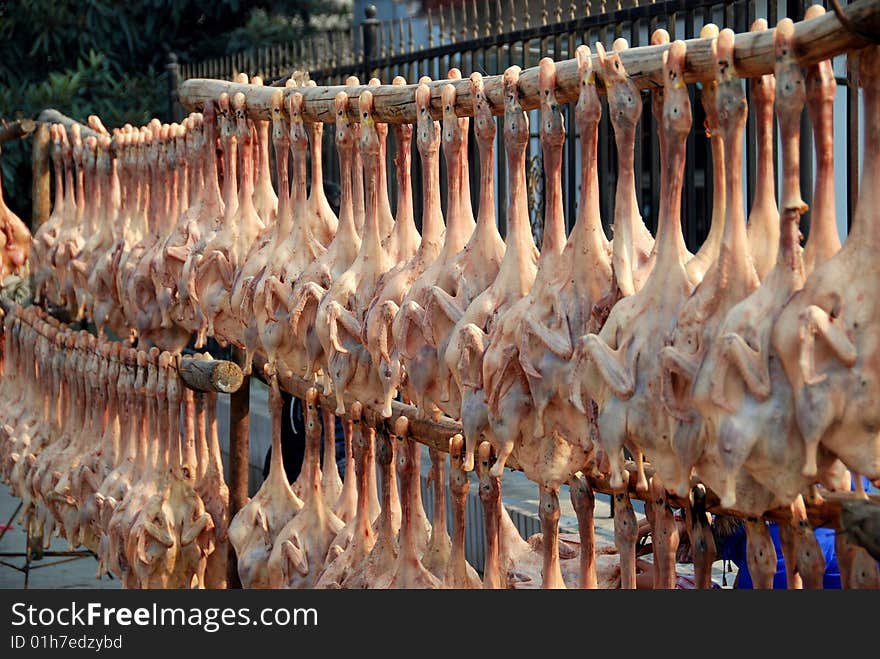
pixel 17 129
pixel 206 374
pixel 50 116
pixel 41 180
pixel 815 40
pixel 239 464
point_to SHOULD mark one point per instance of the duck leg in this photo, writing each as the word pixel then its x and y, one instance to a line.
pixel 490 496
pixel 760 553
pixel 548 507
pixel 702 541
pixel 665 537
pixel 583 501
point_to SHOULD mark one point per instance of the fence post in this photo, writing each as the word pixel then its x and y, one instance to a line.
pixel 175 111
pixel 370 40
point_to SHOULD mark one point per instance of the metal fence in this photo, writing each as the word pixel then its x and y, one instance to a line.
pixel 488 37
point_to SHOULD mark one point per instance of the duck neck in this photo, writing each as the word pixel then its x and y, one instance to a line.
pixel 230 177
pixel 363 521
pixel 312 460
pixel 385 217
pixel 765 188
pixel 455 224
pixel 371 247
pixel 866 227
pixel 59 184
pixel 298 173
pixel 406 225
pixel 519 233
pixel 348 229
pixel 671 248
pixel 432 216
pixel 69 194
pixel 716 228
pixel 624 210
pixel 486 213
pixel 553 240
pixel 246 196
pixel 735 248
pixel 285 211
pixel 789 255
pixel 589 219
pixel 212 198
pixel 823 225
pixel 80 191
pixel 264 178
pixel 316 137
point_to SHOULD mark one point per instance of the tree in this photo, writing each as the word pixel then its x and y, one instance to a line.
pixel 108 58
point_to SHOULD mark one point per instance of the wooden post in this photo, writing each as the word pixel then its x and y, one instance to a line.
pixel 175 111
pixel 239 464
pixel 370 40
pixel 41 186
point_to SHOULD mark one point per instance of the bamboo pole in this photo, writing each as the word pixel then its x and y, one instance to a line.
pixel 815 40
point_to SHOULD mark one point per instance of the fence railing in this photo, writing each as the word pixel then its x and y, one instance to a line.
pixel 327 48
pixel 491 40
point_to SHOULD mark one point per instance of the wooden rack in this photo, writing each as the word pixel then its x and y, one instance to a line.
pixel 815 40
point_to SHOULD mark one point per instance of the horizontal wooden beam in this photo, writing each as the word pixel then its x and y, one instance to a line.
pixel 17 129
pixel 210 375
pixel 51 116
pixel 815 40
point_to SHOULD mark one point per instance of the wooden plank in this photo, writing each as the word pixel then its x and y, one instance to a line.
pixel 815 40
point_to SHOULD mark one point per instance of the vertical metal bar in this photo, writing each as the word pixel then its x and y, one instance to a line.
pixel 852 138
pixel 370 28
pixel 175 110
pixel 607 154
pixel 239 426
pixel 571 161
pixel 806 152
pixel 693 233
pixel 642 135
pixel 650 144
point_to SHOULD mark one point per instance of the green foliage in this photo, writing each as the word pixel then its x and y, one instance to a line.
pixel 108 58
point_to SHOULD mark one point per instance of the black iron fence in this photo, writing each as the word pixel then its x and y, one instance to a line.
pixel 488 37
